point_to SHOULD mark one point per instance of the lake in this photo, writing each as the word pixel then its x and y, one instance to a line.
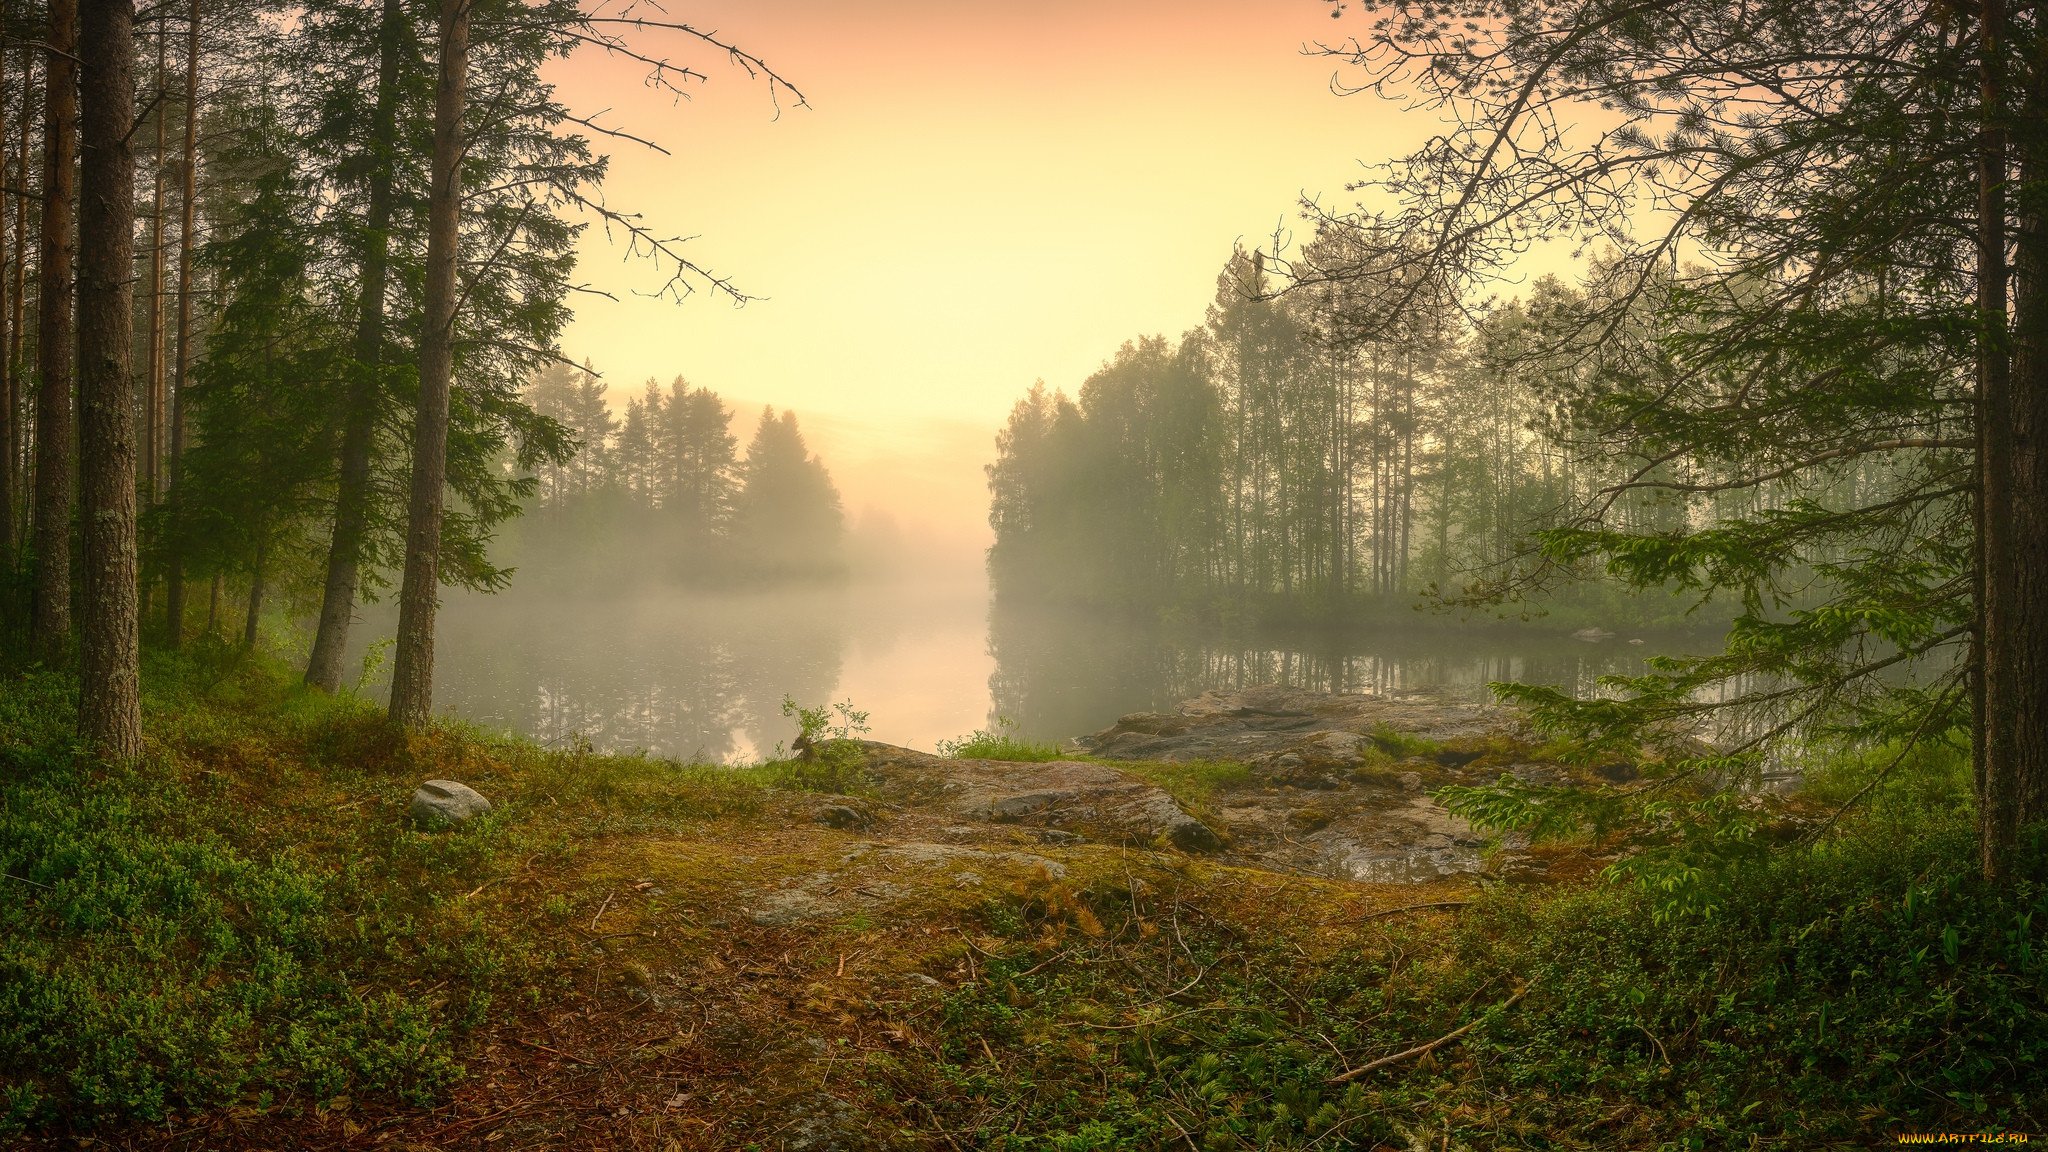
pixel 702 675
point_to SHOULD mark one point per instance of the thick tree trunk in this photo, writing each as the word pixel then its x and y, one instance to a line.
pixel 358 439
pixel 1993 367
pixel 188 195
pixel 110 709
pixel 54 429
pixel 412 675
pixel 2013 446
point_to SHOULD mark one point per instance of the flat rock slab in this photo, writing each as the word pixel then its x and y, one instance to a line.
pixel 1096 801
pixel 1271 721
pixel 914 867
pixel 1324 794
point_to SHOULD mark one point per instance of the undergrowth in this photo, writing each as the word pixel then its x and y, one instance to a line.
pixel 246 916
pixel 1194 783
pixel 1849 991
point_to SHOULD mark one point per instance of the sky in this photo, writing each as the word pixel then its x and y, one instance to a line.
pixel 977 196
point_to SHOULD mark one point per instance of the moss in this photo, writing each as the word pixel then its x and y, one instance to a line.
pixel 245 921
pixel 243 910
pixel 1195 783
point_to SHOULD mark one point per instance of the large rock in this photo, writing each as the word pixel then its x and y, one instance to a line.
pixel 447 803
pixel 1336 783
pixel 1091 800
pixel 1269 722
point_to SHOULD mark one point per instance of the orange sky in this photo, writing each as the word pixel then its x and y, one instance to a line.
pixel 980 195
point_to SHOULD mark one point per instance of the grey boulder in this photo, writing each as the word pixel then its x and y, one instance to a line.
pixel 447 803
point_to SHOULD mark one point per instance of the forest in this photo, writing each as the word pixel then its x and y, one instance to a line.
pixel 662 491
pixel 1723 324
pixel 1269 466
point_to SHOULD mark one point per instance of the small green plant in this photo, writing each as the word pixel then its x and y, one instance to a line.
pixel 828 753
pixel 1403 744
pixel 373 663
pixel 997 743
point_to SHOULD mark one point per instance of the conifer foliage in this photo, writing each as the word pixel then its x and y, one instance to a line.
pixel 663 494
pixel 372 222
pixel 1813 338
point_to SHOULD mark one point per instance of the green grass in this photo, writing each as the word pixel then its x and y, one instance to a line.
pixel 245 915
pixel 1194 783
pixel 1403 744
pixel 245 918
pixel 1855 989
pixel 997 743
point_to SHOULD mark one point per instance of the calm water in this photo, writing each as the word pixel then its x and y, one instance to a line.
pixel 703 674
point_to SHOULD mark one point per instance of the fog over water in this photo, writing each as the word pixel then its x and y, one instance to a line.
pixel 698 674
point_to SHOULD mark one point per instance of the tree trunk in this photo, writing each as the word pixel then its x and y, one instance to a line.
pixel 1992 368
pixel 54 429
pixel 9 324
pixel 2012 431
pixel 18 443
pixel 188 195
pixel 358 439
pixel 155 408
pixel 255 613
pixel 110 708
pixel 412 675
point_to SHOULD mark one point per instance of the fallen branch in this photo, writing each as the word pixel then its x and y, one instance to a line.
pixel 593 939
pixel 1412 908
pixel 1422 1049
pixel 555 1051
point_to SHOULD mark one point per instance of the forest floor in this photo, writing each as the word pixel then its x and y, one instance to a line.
pixel 244 943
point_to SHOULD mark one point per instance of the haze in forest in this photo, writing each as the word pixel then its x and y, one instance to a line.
pixel 977 197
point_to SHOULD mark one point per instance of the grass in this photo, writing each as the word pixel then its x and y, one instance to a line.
pixel 1402 745
pixel 244 929
pixel 997 743
pixel 1829 1009
pixel 1194 783
pixel 161 950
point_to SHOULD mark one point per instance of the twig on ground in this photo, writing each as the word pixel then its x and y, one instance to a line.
pixel 1412 908
pixel 555 1051
pixel 1421 1049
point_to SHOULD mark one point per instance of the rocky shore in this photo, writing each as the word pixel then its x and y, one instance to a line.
pixel 1331 785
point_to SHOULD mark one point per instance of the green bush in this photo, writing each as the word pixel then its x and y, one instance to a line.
pixel 1840 993
pixel 204 926
pixel 147 964
pixel 829 755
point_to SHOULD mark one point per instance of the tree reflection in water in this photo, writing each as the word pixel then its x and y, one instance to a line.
pixel 701 675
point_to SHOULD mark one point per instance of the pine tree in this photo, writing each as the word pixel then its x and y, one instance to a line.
pixel 110 699
pixel 788 518
pixel 1839 327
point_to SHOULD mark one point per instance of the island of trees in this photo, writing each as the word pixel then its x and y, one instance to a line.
pixel 662 495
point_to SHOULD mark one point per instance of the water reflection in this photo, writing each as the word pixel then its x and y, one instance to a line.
pixel 1059 675
pixel 702 675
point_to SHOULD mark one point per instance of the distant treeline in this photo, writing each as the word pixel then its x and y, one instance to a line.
pixel 1271 464
pixel 663 492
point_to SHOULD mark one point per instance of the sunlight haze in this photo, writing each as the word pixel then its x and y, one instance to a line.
pixel 977 197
